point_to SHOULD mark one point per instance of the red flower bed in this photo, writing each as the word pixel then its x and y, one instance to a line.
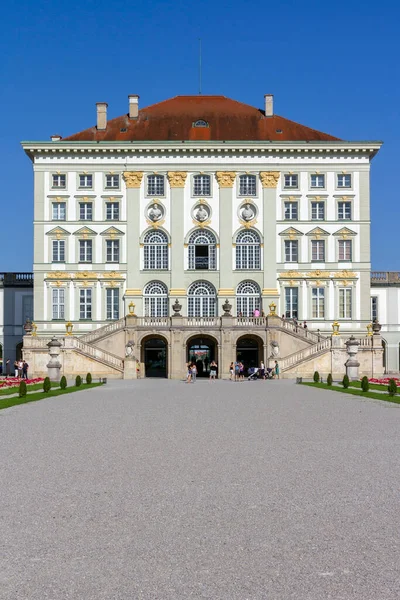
pixel 384 380
pixel 14 381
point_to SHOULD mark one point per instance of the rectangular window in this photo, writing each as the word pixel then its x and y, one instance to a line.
pixel 317 250
pixel 59 181
pixel 247 185
pixel 85 303
pixel 58 302
pixel 291 250
pixel 58 251
pixel 85 181
pixel 59 211
pixel 291 211
pixel 112 211
pixel 155 185
pixel 112 303
pixel 318 303
pixel 374 308
pixel 85 251
pixel 345 250
pixel 85 211
pixel 317 181
pixel 317 211
pixel 201 185
pixel 112 251
pixel 344 211
pixel 344 181
pixel 291 181
pixel 27 308
pixel 344 303
pixel 112 181
pixel 291 302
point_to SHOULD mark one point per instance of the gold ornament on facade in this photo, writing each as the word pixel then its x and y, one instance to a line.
pixel 85 275
pixel 58 275
pixel 269 179
pixel 177 179
pixel 112 274
pixel 291 274
pixel 344 275
pixel 369 330
pixel 318 274
pixel 133 179
pixel 155 224
pixel 272 310
pixel 225 179
pixel 201 224
pixel 335 328
pixel 248 224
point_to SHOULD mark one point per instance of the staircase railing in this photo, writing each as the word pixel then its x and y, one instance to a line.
pixel 297 357
pixel 97 353
pixel 92 336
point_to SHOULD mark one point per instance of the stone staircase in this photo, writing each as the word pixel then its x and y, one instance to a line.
pixel 95 353
pixel 297 358
pixel 103 332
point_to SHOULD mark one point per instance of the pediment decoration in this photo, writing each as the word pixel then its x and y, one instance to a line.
pixel 345 232
pixel 318 274
pixel 86 275
pixel 58 275
pixel 291 232
pixel 112 232
pixel 291 274
pixel 58 232
pixel 344 275
pixel 85 232
pixel 318 232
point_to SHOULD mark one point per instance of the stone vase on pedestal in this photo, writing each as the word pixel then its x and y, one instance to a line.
pixel 352 364
pixel 54 365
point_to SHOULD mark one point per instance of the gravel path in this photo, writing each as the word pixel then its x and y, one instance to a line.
pixel 157 490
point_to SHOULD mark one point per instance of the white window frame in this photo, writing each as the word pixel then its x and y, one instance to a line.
pixel 201 185
pixel 155 251
pixel 247 185
pixel 318 303
pixel 84 179
pixel 374 308
pixel 112 304
pixel 155 296
pixel 343 248
pixel 341 178
pixel 155 185
pixel 112 181
pixel 248 250
pixel 84 208
pixel 320 251
pixel 85 251
pixel 58 304
pixel 317 181
pixel 59 211
pixel 343 207
pixel 345 303
pixel 85 304
pixel 291 302
pixel 59 181
pixel 289 253
pixel 202 237
pixel 248 298
pixel 290 208
pixel 113 251
pixel 316 206
pixel 58 251
pixel 291 181
pixel 112 210
pixel 202 300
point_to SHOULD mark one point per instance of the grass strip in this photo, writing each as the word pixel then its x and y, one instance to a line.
pixel 372 386
pixel 8 402
pixel 354 392
pixel 31 388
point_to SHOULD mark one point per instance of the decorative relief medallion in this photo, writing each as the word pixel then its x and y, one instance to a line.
pixel 177 178
pixel 133 179
pixel 225 178
pixel 155 212
pixel 269 179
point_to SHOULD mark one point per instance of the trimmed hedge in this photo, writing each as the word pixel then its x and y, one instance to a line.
pixel 346 382
pixel 365 384
pixel 329 379
pixel 316 377
pixel 63 382
pixel 46 385
pixel 22 389
pixel 78 381
pixel 392 388
pixel 89 378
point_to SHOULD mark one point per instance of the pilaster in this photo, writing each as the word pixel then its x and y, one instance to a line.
pixel 133 181
pixel 177 180
pixel 269 182
pixel 225 180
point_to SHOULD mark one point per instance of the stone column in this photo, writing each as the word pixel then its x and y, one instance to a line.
pixel 225 180
pixel 133 180
pixel 54 365
pixel 177 181
pixel 269 181
pixel 352 363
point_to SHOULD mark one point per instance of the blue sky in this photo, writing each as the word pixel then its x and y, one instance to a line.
pixel 331 66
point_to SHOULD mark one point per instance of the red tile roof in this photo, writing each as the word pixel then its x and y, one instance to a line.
pixel 172 120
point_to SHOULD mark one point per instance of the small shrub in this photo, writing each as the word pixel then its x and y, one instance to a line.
pixel 392 388
pixel 46 385
pixel 89 378
pixel 22 389
pixel 78 381
pixel 316 377
pixel 329 379
pixel 63 382
pixel 365 384
pixel 346 382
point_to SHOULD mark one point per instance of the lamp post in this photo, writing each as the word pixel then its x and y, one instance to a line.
pixel 69 327
pixel 272 310
pixel 335 328
pixel 131 309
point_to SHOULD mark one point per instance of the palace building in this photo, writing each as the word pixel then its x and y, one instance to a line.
pixel 188 228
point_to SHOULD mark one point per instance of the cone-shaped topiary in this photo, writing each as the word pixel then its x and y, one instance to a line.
pixel 329 379
pixel 392 388
pixel 89 378
pixel 46 385
pixel 346 381
pixel 22 389
pixel 78 381
pixel 365 384
pixel 316 377
pixel 63 382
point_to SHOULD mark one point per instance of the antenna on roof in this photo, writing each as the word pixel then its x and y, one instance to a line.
pixel 199 65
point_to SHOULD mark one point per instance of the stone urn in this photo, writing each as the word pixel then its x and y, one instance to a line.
pixel 352 363
pixel 28 328
pixel 376 327
pixel 227 307
pixel 54 365
pixel 177 307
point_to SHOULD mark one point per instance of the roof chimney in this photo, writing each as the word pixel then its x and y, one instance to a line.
pixel 269 105
pixel 101 115
pixel 133 106
pixel 55 137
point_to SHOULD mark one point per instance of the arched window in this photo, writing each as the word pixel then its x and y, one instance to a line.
pixel 247 185
pixel 202 250
pixel 248 298
pixel 155 250
pixel 156 299
pixel 200 123
pixel 248 255
pixel 202 300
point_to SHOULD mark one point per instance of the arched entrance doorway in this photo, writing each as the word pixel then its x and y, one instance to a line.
pixel 155 357
pixel 202 350
pixel 249 351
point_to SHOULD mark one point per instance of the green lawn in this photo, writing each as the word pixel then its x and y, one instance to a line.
pixel 372 386
pixel 355 392
pixel 31 388
pixel 7 402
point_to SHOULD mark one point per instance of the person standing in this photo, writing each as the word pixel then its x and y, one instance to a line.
pixel 277 370
pixel 15 368
pixel 237 371
pixel 213 370
pixel 20 368
pixel 189 372
pixel 194 372
pixel 262 370
pixel 25 368
pixel 231 371
pixel 241 371
pixel 8 367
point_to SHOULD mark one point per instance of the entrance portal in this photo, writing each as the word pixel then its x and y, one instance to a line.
pixel 248 352
pixel 202 351
pixel 155 357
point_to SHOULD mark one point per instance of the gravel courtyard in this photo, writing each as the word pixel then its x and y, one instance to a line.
pixel 233 491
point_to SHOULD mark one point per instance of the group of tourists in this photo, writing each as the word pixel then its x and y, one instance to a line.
pixel 20 368
pixel 192 372
pixel 237 369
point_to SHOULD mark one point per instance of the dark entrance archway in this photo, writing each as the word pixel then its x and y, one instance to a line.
pixel 249 351
pixel 155 357
pixel 202 350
